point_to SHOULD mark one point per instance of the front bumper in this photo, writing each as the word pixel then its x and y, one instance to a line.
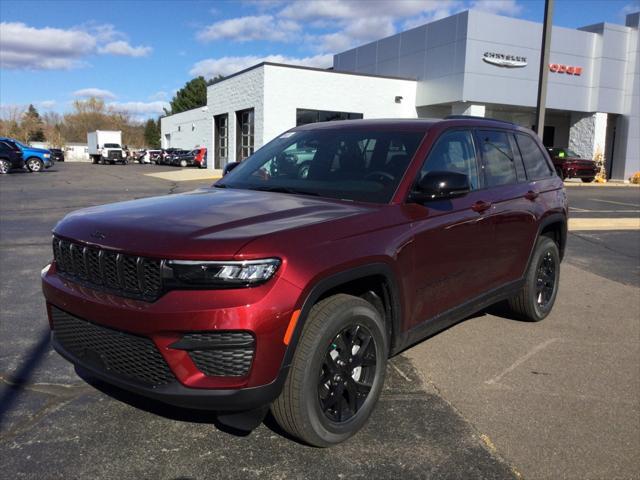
pixel 223 400
pixel 264 311
pixel 576 170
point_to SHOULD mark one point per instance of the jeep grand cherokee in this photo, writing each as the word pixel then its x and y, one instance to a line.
pixel 289 289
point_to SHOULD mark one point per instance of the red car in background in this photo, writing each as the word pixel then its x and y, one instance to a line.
pixel 568 164
pixel 196 157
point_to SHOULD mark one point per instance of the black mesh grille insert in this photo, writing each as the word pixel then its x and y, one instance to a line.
pixel 227 354
pixel 130 356
pixel 121 274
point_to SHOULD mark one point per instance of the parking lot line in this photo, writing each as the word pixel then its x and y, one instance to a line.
pixel 576 224
pixel 614 203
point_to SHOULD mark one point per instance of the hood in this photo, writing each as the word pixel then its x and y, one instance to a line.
pixel 37 150
pixel 205 224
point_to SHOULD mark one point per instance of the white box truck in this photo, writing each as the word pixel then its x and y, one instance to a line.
pixel 105 146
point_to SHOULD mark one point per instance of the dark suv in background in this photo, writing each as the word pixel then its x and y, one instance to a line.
pixel 289 288
pixel 568 164
pixel 10 157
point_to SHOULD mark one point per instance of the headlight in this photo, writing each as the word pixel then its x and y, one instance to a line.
pixel 197 274
pixel 46 155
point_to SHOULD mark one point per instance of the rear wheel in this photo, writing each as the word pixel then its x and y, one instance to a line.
pixel 183 163
pixel 5 166
pixel 537 296
pixel 337 372
pixel 35 164
pixel 588 180
pixel 560 173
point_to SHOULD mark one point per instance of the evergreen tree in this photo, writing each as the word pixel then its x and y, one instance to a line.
pixel 192 95
pixel 152 133
pixel 33 125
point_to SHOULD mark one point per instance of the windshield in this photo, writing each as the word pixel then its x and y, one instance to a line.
pixel 111 145
pixel 21 145
pixel 347 164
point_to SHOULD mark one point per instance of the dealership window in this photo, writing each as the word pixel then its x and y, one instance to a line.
pixel 244 134
pixel 304 116
pixel 221 151
pixel 498 158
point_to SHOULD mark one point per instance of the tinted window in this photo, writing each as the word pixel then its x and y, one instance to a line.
pixel 517 160
pixel 498 158
pixel 454 152
pixel 4 147
pixel 340 163
pixel 534 161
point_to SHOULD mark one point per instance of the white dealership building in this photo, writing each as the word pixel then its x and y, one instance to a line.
pixel 471 63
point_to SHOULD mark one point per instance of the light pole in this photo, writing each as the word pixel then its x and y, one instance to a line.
pixel 544 66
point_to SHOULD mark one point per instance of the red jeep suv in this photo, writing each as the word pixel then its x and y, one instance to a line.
pixel 287 284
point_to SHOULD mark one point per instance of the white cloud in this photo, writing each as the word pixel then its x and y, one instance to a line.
pixel 356 9
pixel 24 47
pixel 120 47
pixel 161 95
pixel 244 29
pixel 211 67
pixel 139 108
pixel 500 7
pixel 94 92
pixel 47 104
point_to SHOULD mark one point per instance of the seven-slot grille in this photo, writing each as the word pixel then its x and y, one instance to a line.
pixel 124 354
pixel 122 274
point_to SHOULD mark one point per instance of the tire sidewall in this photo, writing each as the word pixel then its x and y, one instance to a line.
pixel 5 164
pixel 544 245
pixel 327 431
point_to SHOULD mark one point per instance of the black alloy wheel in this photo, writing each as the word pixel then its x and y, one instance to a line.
pixel 347 373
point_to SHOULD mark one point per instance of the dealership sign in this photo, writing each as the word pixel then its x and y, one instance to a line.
pixel 504 60
pixel 568 69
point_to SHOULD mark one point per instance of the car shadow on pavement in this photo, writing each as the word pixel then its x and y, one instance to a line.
pixel 19 380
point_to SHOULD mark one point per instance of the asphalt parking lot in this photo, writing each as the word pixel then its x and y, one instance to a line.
pixel 488 398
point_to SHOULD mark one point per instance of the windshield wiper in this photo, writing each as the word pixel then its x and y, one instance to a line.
pixel 284 190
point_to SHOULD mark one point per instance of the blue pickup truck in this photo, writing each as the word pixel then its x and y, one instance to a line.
pixel 36 159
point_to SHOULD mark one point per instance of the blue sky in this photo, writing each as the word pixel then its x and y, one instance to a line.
pixel 135 54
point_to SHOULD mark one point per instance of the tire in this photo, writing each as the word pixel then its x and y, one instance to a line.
pixel 533 303
pixel 560 173
pixel 587 180
pixel 34 164
pixel 304 407
pixel 183 163
pixel 5 166
pixel 95 160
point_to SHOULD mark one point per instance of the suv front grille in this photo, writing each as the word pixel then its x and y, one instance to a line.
pixel 113 351
pixel 118 273
pixel 223 354
pixel 115 154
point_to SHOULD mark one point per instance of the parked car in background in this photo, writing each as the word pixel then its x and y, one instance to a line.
pixel 36 159
pixel 279 289
pixel 10 157
pixel 57 154
pixel 154 155
pixel 174 157
pixel 568 164
pixel 197 158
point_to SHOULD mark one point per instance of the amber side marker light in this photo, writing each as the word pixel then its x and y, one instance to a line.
pixel 292 326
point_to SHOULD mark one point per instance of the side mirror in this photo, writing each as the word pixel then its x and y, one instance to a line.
pixel 441 185
pixel 229 166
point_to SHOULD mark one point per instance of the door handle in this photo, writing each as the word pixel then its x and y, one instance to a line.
pixel 481 206
pixel 531 195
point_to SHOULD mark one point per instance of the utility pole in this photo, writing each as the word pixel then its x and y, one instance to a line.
pixel 544 66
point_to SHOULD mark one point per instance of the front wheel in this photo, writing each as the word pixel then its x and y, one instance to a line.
pixel 5 166
pixel 35 164
pixel 537 296
pixel 183 163
pixel 337 372
pixel 588 180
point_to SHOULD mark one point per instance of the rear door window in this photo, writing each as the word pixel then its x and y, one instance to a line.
pixel 534 160
pixel 499 165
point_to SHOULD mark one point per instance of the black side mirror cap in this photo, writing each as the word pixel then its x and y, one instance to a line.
pixel 440 185
pixel 229 166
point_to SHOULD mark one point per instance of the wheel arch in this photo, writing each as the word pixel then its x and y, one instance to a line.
pixel 374 282
pixel 555 226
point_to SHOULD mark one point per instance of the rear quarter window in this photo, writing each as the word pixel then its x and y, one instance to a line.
pixel 534 160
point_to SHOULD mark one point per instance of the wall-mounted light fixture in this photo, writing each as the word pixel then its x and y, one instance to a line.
pixel 398 99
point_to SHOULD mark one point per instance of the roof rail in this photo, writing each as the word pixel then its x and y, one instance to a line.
pixel 474 117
